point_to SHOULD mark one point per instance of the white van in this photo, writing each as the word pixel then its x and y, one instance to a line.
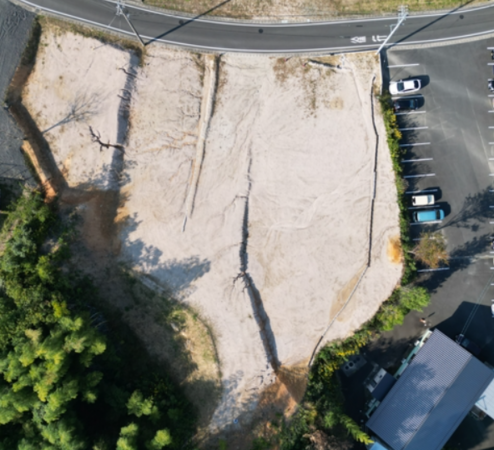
pixel 422 200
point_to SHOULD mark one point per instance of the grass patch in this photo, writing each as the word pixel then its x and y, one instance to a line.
pixel 393 137
pixel 276 9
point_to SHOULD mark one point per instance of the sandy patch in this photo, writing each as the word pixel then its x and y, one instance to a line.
pixel 281 208
pixel 77 83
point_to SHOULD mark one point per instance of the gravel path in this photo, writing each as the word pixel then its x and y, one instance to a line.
pixel 15 25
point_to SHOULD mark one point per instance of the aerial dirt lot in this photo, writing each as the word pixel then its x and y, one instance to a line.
pixel 243 193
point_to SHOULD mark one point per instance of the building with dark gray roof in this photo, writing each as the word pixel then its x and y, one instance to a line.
pixel 432 396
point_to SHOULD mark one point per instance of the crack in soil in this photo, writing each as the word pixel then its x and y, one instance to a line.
pixel 260 315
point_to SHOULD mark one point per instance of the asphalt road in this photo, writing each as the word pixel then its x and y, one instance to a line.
pixel 201 33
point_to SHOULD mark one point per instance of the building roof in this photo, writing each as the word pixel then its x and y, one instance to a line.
pixel 486 401
pixel 384 386
pixel 432 397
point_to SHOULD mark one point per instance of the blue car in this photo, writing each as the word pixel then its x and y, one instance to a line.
pixel 430 215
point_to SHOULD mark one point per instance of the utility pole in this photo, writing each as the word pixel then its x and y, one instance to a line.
pixel 402 15
pixel 121 12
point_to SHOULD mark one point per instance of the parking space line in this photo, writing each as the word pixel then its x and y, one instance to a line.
pixel 415 144
pixel 491 111
pixel 433 270
pixel 491 159
pixel 411 112
pixel 416 160
pixel 491 190
pixel 490 64
pixel 491 127
pixel 490 95
pixel 404 65
pixel 491 143
pixel 407 97
pixel 413 128
pixel 427 190
pixel 491 206
pixel 426 223
pixel 420 175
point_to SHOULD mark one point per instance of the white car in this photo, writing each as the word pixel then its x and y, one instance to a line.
pixel 404 86
pixel 422 200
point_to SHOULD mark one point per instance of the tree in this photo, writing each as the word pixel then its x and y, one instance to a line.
pixel 431 249
pixel 160 440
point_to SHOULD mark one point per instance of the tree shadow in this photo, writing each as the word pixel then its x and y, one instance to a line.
pixel 83 107
pixel 475 208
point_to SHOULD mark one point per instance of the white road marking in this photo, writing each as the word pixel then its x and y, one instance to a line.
pixel 413 128
pixel 433 270
pixel 358 40
pixel 415 144
pixel 411 112
pixel 491 127
pixel 153 39
pixel 416 160
pixel 422 175
pixel 403 65
pixel 491 159
pixel 427 190
pixel 411 96
pixel 491 143
pixel 426 223
pixel 490 64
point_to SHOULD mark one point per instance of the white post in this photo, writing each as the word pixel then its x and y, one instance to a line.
pixel 402 15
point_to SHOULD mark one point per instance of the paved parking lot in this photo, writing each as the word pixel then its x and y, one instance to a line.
pixel 449 144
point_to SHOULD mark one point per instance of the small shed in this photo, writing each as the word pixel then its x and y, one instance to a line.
pixel 431 398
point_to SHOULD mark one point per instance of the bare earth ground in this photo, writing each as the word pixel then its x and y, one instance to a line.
pixel 302 10
pixel 76 83
pixel 244 193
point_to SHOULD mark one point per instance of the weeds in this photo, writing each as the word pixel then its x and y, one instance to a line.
pixel 393 137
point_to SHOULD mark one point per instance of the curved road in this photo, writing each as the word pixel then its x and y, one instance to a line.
pixel 200 33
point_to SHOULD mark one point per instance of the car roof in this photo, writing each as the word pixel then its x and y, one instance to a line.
pixel 427 215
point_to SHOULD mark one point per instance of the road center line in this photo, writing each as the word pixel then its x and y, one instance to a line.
pixel 415 144
pixel 416 160
pixel 422 175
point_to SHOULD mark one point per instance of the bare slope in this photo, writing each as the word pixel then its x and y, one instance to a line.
pixel 277 234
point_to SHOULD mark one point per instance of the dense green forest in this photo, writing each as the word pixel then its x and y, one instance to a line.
pixel 70 380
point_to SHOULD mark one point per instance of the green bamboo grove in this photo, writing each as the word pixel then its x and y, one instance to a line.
pixel 66 382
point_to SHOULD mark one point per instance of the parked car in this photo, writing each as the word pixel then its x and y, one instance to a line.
pixel 405 104
pixel 430 215
pixel 467 344
pixel 422 200
pixel 404 86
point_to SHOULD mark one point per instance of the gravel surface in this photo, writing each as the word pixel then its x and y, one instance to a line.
pixel 15 25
